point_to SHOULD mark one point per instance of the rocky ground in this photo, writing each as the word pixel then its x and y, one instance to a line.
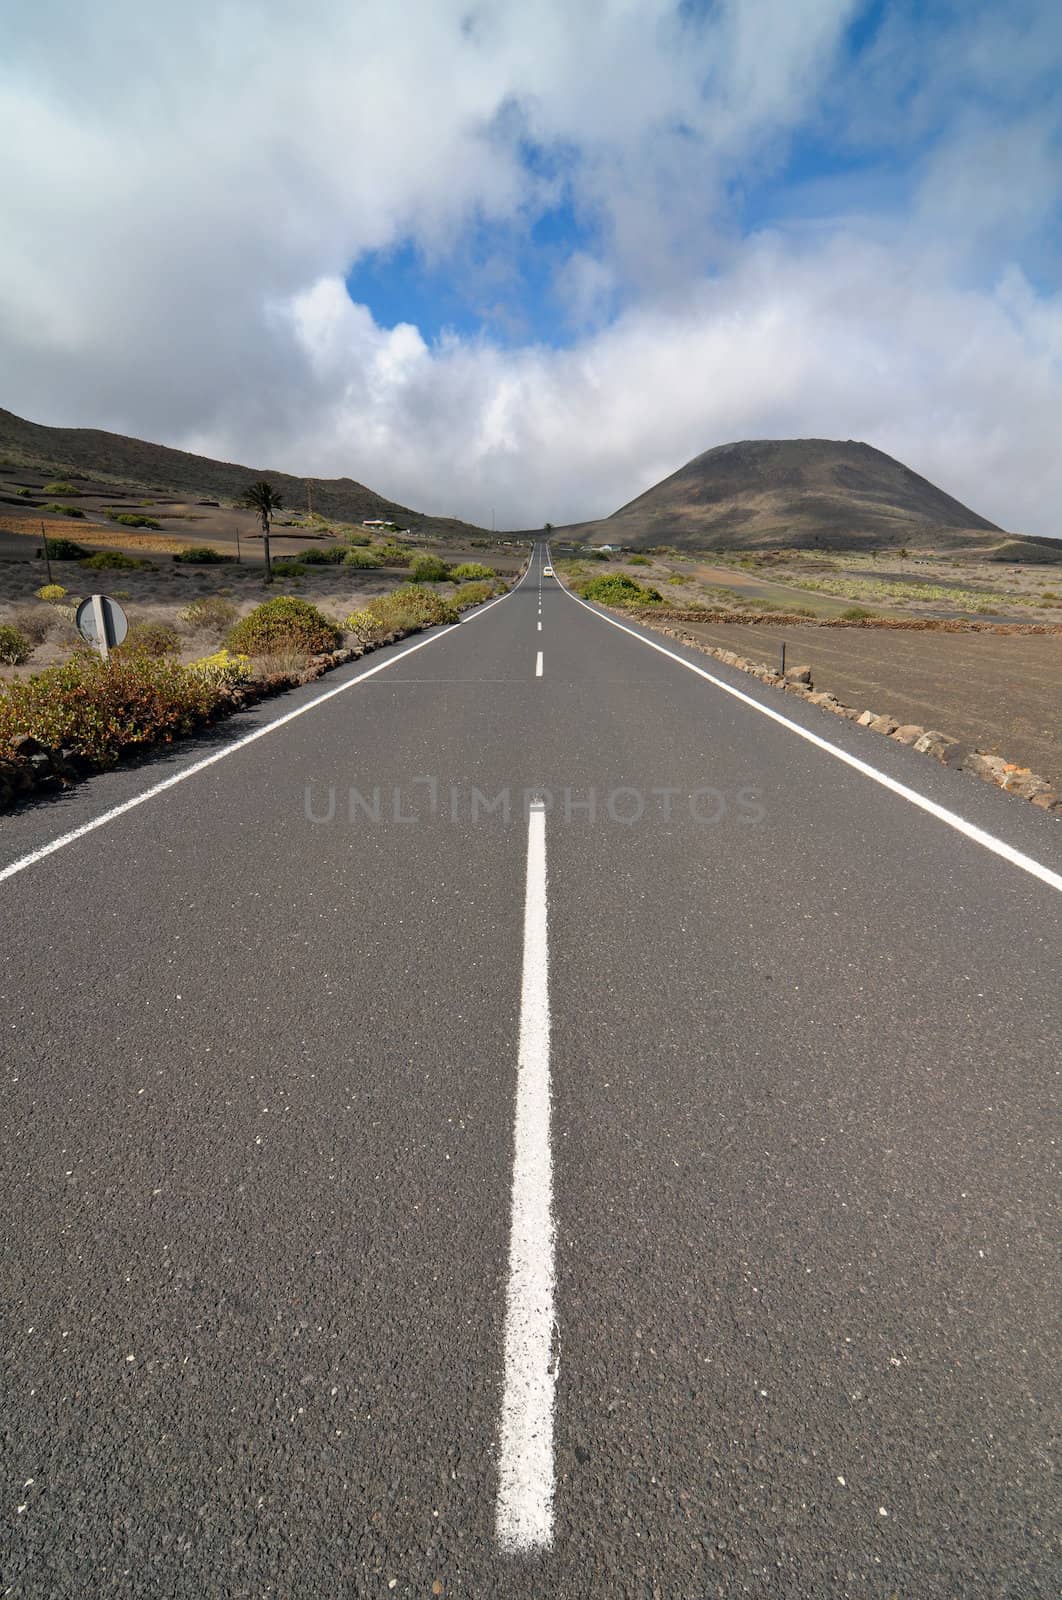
pixel 996 691
pixel 953 730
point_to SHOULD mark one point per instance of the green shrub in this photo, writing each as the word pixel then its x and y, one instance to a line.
pixel 15 648
pixel 211 612
pixel 101 708
pixel 65 511
pixel 223 668
pixel 51 592
pixel 59 487
pixel 429 569
pixel 855 614
pixel 133 519
pixel 472 594
pixel 114 561
pixel 616 589
pixel 638 561
pixel 24 494
pixel 285 623
pixel 393 555
pixel 65 550
pixel 679 577
pixel 362 558
pixel 289 568
pixel 320 558
pixel 472 569
pixel 152 639
pixel 404 610
pixel 201 555
pixel 357 538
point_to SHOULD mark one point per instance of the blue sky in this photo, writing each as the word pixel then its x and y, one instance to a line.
pixel 479 254
pixel 499 280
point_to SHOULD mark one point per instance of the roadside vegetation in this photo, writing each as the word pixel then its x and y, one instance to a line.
pixel 617 589
pixel 101 710
pixel 285 623
pixel 190 657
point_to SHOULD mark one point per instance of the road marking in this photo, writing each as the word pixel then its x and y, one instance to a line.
pixel 538 665
pixel 34 856
pixel 524 1519
pixel 970 830
pixel 540 627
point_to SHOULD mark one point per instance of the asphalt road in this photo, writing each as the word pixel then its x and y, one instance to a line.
pixel 303 1294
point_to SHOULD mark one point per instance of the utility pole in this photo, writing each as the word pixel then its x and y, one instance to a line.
pixel 47 557
pixel 309 497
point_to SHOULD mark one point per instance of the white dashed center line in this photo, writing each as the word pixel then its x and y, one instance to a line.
pixel 525 1473
pixel 538 665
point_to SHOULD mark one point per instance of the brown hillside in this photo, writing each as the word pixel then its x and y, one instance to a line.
pixel 807 493
pixel 89 451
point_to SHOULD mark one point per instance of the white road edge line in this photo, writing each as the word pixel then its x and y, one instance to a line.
pixel 538 665
pixel 988 841
pixel 34 856
pixel 524 1520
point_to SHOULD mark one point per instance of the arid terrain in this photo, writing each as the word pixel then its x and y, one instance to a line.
pixel 998 692
pixel 916 584
pixel 160 589
pixel 994 688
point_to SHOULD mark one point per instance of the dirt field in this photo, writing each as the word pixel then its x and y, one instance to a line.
pixel 1000 693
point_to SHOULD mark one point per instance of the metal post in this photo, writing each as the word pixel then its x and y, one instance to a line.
pixel 238 558
pixel 47 557
pixel 99 617
pixel 782 672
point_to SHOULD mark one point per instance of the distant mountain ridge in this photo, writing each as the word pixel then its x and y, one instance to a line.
pixel 113 455
pixel 804 493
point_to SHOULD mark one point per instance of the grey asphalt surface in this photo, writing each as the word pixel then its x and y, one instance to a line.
pixel 259 1079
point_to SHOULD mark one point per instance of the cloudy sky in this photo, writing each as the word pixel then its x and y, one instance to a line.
pixel 530 257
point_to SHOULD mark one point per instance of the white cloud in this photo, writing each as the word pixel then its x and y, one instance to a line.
pixel 185 191
pixel 842 341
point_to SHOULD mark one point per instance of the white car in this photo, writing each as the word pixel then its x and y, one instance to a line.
pixel 547 572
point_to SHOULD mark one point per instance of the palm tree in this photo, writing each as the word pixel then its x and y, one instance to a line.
pixel 264 499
